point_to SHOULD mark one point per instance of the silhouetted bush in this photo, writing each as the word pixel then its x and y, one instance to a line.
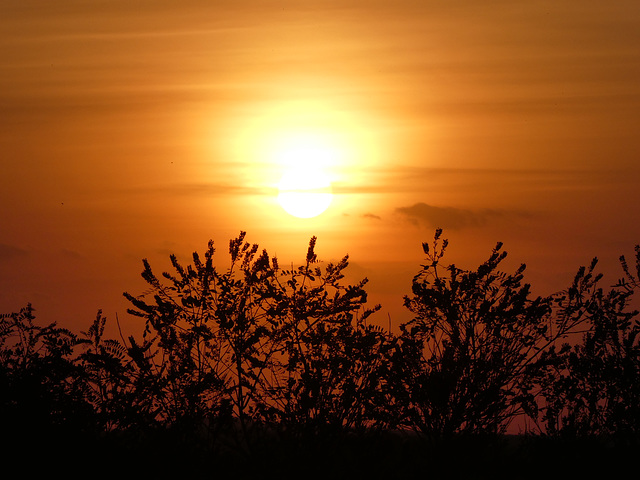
pixel 592 388
pixel 466 362
pixel 256 361
pixel 44 390
pixel 256 346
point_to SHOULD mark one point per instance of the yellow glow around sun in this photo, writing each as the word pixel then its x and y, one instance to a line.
pixel 301 152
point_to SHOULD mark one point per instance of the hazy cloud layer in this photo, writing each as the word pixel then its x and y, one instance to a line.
pixel 203 189
pixel 8 252
pixel 447 217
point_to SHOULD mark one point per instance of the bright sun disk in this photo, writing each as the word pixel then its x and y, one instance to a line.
pixel 305 191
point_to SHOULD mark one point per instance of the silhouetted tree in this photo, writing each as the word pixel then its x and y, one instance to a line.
pixel 326 374
pixel 463 363
pixel 206 336
pixel 116 381
pixel 257 344
pixel 42 388
pixel 237 357
pixel 592 388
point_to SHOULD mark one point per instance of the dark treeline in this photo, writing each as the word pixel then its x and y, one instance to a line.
pixel 256 367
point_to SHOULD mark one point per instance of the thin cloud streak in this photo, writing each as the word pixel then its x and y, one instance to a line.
pixel 9 252
pixel 203 189
pixel 408 178
pixel 423 214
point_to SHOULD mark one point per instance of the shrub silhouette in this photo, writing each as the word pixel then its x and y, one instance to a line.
pixel 258 345
pixel 326 371
pixel 239 359
pixel 44 392
pixel 591 388
pixel 202 344
pixel 464 362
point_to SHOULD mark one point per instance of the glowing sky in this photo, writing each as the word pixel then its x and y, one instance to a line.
pixel 139 129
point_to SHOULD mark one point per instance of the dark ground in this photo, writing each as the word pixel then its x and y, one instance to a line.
pixel 382 456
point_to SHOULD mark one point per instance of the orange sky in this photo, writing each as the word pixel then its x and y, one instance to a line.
pixel 137 129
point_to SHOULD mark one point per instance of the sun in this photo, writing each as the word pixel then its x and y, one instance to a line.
pixel 305 191
pixel 306 158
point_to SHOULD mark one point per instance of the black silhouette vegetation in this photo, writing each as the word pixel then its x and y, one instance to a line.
pixel 255 368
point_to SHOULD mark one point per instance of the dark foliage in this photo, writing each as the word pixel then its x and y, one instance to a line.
pixel 591 388
pixel 258 348
pixel 281 366
pixel 43 387
pixel 465 363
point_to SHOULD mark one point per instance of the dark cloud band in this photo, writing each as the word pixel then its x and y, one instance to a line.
pixel 446 217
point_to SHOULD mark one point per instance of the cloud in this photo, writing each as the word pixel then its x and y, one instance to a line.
pixel 447 217
pixel 8 252
pixel 203 189
pixel 372 216
pixel 71 254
